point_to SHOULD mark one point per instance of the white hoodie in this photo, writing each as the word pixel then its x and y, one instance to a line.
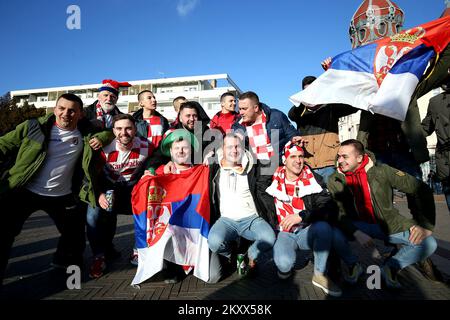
pixel 236 201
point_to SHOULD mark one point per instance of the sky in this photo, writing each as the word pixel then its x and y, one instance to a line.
pixel 266 46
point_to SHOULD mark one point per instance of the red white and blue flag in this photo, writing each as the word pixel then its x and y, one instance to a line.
pixel 172 222
pixel 382 76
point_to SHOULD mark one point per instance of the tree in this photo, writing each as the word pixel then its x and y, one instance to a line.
pixel 11 115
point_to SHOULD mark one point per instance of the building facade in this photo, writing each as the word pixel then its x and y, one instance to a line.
pixel 205 89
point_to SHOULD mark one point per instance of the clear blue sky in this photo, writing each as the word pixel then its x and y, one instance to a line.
pixel 266 46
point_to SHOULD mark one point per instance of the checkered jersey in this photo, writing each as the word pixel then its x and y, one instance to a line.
pixel 124 166
pixel 259 139
pixel 154 129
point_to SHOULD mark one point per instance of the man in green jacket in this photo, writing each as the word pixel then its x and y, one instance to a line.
pixel 46 159
pixel 364 193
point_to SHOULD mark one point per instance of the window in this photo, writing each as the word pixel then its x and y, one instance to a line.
pixel 52 96
pixel 362 35
pixel 382 28
pixel 134 90
pixel 133 107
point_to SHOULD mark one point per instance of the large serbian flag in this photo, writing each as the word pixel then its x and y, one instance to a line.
pixel 382 76
pixel 171 221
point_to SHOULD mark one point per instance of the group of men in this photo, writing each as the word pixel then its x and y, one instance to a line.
pixel 269 183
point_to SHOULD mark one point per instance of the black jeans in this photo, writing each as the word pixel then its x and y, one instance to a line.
pixel 19 204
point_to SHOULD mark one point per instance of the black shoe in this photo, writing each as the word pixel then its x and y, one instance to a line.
pixel 429 270
pixel 112 254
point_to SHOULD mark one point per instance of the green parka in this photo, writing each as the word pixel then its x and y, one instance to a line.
pixel 382 180
pixel 23 151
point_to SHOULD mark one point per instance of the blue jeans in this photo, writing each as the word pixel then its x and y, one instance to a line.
pixel 316 237
pixel 253 228
pixel 100 229
pixel 325 172
pixel 340 244
pixel 409 253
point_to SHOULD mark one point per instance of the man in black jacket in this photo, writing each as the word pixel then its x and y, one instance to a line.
pixel 319 127
pixel 102 111
pixel 239 205
pixel 437 120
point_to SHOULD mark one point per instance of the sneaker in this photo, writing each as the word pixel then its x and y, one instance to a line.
pixel 429 270
pixel 170 273
pixel 390 277
pixel 171 280
pixel 353 273
pixel 327 285
pixel 134 258
pixel 97 268
pixel 251 269
pixel 284 275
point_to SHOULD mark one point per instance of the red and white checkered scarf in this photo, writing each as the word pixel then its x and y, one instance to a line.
pixel 288 194
pixel 259 139
pixel 104 117
pixel 154 129
pixel 123 166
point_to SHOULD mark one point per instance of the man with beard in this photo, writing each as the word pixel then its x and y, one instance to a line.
pixel 179 144
pixel 102 111
pixel 189 120
pixel 363 191
pixel 122 163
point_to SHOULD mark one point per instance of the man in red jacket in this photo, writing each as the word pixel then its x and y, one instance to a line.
pixel 224 119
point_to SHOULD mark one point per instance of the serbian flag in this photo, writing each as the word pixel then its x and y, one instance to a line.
pixel 171 221
pixel 379 77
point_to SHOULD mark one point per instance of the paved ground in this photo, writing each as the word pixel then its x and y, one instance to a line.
pixel 29 275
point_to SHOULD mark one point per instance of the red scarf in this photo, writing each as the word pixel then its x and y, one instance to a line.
pixel 259 138
pixel 357 181
pixel 288 195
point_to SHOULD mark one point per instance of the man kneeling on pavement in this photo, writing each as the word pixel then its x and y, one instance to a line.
pixel 363 191
pixel 305 213
pixel 239 205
